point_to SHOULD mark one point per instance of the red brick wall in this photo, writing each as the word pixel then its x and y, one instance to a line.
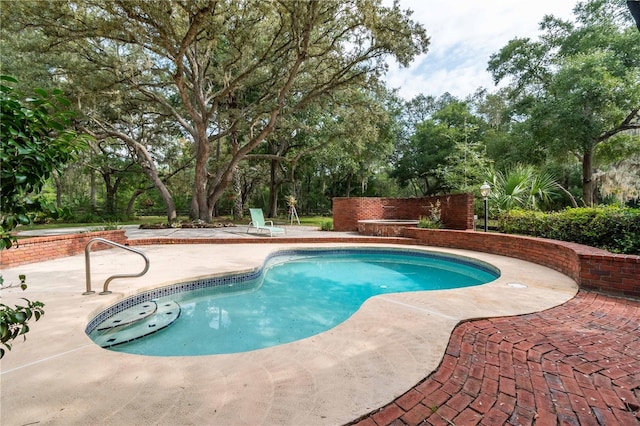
pixel 610 272
pixel 591 268
pixel 38 249
pixel 382 230
pixel 348 211
pixel 456 210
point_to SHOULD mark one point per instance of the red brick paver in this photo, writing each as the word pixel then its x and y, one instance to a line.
pixel 575 364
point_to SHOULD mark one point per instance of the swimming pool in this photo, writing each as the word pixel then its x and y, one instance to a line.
pixel 296 294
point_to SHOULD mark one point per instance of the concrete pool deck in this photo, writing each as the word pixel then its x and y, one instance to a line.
pixel 58 376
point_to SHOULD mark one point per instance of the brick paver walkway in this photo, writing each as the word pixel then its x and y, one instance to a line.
pixel 575 364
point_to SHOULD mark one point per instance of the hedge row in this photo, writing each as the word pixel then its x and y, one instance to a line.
pixel 611 228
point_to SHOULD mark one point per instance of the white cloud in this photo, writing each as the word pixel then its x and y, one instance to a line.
pixel 464 34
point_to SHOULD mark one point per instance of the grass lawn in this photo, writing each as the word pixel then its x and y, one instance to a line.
pixel 143 220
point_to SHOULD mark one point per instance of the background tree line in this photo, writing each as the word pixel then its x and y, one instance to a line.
pixel 208 107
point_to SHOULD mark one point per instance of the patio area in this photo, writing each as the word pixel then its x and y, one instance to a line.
pixel 400 359
pixel 575 364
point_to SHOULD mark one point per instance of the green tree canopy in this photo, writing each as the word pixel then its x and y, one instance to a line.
pixel 188 60
pixel 445 152
pixel 578 86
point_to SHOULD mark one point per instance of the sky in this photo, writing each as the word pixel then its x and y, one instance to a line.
pixel 464 34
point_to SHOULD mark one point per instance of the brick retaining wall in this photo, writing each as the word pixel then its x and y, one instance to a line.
pixel 591 268
pixel 456 210
pixel 382 229
pixel 38 249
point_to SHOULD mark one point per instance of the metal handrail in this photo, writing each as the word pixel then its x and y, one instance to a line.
pixel 113 277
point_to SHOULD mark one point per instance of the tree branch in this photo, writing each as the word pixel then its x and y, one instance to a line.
pixel 631 122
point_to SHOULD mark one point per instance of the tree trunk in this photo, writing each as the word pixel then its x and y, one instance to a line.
pixel 237 192
pixel 151 172
pixel 56 179
pixel 145 160
pixel 132 200
pixel 305 206
pixel 246 189
pixel 93 198
pixel 235 176
pixel 172 215
pixel 200 181
pixel 149 168
pixel 574 204
pixel 217 189
pixel 110 193
pixel 110 202
pixel 273 190
pixel 587 182
pixel 363 186
pixel 193 209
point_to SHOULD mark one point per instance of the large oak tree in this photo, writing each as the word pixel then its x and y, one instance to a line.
pixel 577 86
pixel 225 71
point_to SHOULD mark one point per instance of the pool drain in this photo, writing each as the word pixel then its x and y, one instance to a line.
pixel 516 285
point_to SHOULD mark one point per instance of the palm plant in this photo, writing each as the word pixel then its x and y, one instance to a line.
pixel 543 188
pixel 521 186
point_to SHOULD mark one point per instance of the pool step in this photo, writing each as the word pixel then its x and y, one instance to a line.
pixel 129 316
pixel 135 323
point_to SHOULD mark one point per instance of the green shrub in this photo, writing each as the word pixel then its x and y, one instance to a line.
pixel 425 222
pixel 327 225
pixel 84 217
pixel 109 226
pixel 611 228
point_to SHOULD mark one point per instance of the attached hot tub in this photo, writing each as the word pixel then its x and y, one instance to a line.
pixel 385 227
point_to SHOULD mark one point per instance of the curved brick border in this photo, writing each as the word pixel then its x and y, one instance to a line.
pixel 591 268
pixel 575 364
pixel 38 249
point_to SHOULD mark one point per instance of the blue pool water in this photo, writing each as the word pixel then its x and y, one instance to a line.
pixel 296 296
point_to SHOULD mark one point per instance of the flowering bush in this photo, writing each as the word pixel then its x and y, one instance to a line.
pixel 434 219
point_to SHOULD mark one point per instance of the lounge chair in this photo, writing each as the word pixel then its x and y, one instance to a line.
pixel 258 222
